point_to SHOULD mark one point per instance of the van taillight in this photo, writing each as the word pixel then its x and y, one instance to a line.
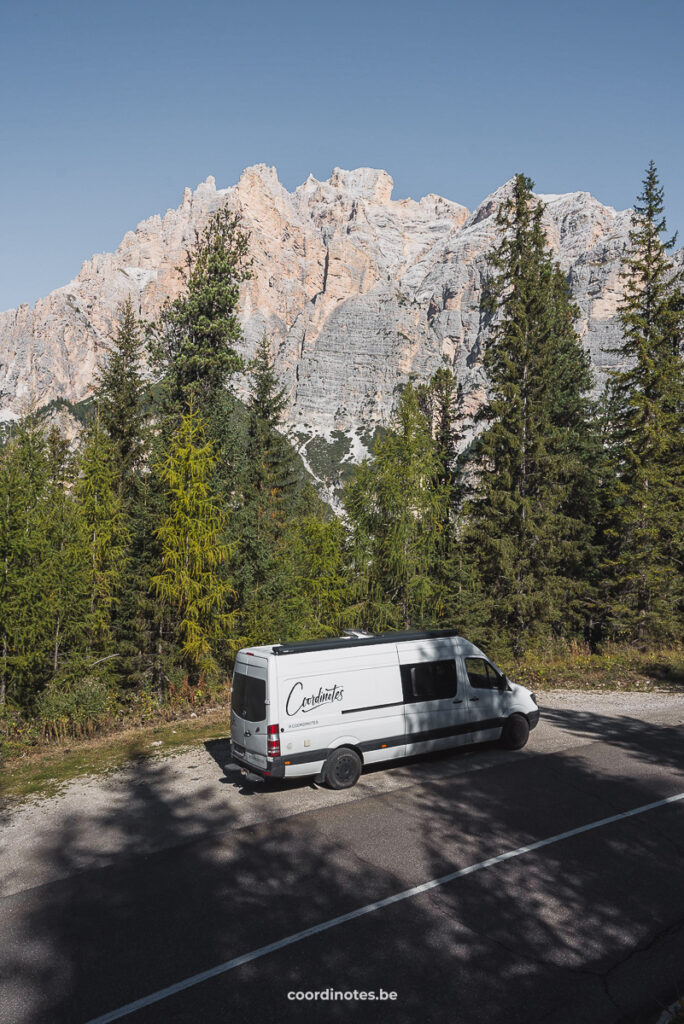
pixel 273 741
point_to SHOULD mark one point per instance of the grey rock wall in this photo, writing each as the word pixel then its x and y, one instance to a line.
pixel 357 291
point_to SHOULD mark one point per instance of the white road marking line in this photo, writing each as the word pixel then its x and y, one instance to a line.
pixel 273 947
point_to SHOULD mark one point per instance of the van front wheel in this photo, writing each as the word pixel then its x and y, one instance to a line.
pixel 515 732
pixel 342 769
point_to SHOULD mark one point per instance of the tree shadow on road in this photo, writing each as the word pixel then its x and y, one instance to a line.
pixel 547 936
pixel 646 741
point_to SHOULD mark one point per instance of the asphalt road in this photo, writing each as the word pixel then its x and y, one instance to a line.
pixel 585 928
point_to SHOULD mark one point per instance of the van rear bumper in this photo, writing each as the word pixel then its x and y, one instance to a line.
pixel 275 769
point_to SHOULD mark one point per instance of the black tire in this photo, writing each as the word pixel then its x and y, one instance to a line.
pixel 515 732
pixel 342 769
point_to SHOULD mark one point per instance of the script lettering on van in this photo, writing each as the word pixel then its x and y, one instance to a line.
pixel 297 703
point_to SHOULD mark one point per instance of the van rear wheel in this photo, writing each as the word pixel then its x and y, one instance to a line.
pixel 515 732
pixel 342 769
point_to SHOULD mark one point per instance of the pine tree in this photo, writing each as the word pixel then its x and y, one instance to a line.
pixel 455 572
pixel 23 484
pixel 125 403
pixel 316 601
pixel 44 620
pixel 270 459
pixel 441 400
pixel 645 413
pixel 273 494
pixel 65 580
pixel 396 509
pixel 529 522
pixel 192 346
pixel 106 521
pixel 121 396
pixel 143 628
pixel 192 550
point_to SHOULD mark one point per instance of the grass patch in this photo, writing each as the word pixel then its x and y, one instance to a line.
pixel 614 668
pixel 43 772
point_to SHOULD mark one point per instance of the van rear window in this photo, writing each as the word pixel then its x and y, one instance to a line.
pixel 248 697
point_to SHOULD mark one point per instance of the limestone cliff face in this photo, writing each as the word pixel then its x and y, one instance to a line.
pixel 357 292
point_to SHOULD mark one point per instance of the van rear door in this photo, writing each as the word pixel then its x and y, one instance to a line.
pixel 249 709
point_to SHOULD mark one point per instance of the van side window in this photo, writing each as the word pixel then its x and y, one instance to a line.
pixel 481 674
pixel 429 680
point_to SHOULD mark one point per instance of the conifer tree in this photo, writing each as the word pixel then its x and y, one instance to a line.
pixel 396 509
pixel 44 620
pixel 317 598
pixel 645 412
pixel 24 638
pixel 106 521
pixel 273 495
pixel 191 583
pixel 15 498
pixel 529 521
pixel 121 396
pixel 441 400
pixel 193 345
pixel 455 572
pixel 125 403
pixel 143 631
pixel 65 578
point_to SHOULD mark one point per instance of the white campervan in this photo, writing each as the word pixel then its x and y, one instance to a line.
pixel 327 707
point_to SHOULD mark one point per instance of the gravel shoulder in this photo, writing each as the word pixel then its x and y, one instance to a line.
pixel 164 802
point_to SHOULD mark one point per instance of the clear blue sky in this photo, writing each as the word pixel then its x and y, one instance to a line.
pixel 109 110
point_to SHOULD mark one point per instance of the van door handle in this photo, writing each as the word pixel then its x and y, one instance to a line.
pixel 472 700
pixel 458 702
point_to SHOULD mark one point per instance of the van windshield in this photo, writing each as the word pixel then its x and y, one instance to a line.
pixel 248 697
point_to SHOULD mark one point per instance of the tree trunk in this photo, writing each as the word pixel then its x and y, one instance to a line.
pixel 157 666
pixel 56 650
pixel 3 676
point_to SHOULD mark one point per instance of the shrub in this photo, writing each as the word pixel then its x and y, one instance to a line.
pixel 16 733
pixel 75 707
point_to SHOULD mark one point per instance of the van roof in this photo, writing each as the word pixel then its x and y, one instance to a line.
pixel 338 642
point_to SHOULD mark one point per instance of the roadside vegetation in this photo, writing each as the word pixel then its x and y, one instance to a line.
pixel 42 769
pixel 182 525
pixel 613 667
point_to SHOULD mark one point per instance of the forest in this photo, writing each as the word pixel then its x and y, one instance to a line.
pixel 182 524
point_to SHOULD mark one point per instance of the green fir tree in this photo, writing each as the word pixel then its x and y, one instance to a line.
pixel 106 520
pixel 193 344
pixel 529 523
pixel 121 397
pixel 125 403
pixel 396 510
pixel 23 480
pixel 645 425
pixel 191 584
pixel 44 613
pixel 316 602
pixel 274 498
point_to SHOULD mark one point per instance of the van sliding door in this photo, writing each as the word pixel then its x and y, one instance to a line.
pixel 434 704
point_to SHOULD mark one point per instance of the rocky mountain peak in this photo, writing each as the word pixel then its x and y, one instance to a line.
pixel 489 207
pixel 364 183
pixel 358 293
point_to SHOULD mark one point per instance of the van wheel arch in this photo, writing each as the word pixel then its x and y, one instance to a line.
pixel 342 767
